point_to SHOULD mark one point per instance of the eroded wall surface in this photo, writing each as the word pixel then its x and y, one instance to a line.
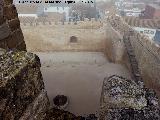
pixel 146 51
pixel 125 99
pixel 115 48
pixel 10 32
pixel 22 93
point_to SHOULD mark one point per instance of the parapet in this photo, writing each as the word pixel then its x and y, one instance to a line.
pixel 22 93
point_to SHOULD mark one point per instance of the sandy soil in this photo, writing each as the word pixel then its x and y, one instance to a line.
pixel 79 75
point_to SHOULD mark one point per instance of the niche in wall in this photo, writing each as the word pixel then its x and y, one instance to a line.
pixel 73 39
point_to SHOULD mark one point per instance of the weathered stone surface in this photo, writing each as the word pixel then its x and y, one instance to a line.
pixel 2 2
pixel 20 83
pixel 21 46
pixel 2 20
pixel 10 12
pixel 4 31
pixel 124 99
pixel 3 44
pixel 120 92
pixel 145 50
pixel 36 110
pixel 147 113
pixel 8 2
pixel 14 24
pixel 2 51
pixel 15 38
pixel 1 10
pixel 57 114
pixel 11 36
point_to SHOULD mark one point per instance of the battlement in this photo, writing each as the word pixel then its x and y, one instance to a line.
pixel 45 21
pixel 147 52
pixel 122 27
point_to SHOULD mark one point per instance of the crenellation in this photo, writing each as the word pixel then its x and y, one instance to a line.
pixel 22 92
pixel 146 52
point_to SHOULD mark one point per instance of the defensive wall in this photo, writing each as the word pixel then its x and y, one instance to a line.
pixel 89 36
pixel 22 92
pixel 147 52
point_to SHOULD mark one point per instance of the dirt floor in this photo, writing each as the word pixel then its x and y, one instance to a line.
pixel 78 75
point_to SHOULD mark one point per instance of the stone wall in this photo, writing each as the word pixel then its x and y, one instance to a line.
pixel 57 38
pixel 10 32
pixel 115 48
pixel 22 94
pixel 124 99
pixel 146 51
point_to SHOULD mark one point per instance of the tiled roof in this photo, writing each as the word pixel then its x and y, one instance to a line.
pixel 147 23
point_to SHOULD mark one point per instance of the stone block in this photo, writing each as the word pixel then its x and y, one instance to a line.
pixel 4 31
pixel 2 20
pixel 10 12
pixel 2 51
pixel 14 24
pixel 58 114
pixel 15 39
pixel 37 109
pixel 8 2
pixel 121 92
pixel 20 84
pixel 3 44
pixel 124 99
pixel 1 10
pixel 1 2
pixel 21 46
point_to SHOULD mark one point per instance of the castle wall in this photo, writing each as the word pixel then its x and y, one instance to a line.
pixel 22 93
pixel 147 52
pixel 10 32
pixel 115 48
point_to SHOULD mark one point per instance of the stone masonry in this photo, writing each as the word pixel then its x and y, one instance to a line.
pixel 11 36
pixel 124 99
pixel 22 93
pixel 146 52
